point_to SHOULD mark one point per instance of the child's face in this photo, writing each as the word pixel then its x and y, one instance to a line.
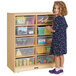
pixel 56 9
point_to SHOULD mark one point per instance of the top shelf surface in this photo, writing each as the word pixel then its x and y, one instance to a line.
pixel 32 13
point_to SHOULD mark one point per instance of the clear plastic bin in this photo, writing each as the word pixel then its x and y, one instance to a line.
pixel 24 61
pixel 47 32
pixel 45 59
pixel 45 19
pixel 41 19
pixel 25 41
pixel 30 20
pixel 44 40
pixel 30 30
pixel 24 30
pixel 43 31
pixel 24 51
pixel 41 40
pixel 43 49
pixel 48 40
pixel 22 20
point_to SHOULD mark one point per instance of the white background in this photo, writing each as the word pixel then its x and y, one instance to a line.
pixel 37 6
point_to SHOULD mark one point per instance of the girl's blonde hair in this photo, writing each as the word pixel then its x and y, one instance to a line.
pixel 62 6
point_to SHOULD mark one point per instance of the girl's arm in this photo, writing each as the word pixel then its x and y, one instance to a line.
pixel 50 28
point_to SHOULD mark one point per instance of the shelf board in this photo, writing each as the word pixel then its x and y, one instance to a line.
pixel 33 13
pixel 25 46
pixel 44 63
pixel 44 24
pixel 34 25
pixel 25 25
pixel 45 35
pixel 43 44
pixel 25 35
pixel 31 35
pixel 43 54
pixel 25 56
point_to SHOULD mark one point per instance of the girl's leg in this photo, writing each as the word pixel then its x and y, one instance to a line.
pixel 58 65
pixel 61 60
pixel 57 61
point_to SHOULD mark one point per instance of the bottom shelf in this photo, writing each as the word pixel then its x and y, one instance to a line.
pixel 33 67
pixel 42 59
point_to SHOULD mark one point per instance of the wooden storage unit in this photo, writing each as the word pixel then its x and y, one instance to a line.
pixel 20 40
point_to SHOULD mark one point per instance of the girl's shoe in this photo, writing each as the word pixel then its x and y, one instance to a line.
pixel 58 72
pixel 52 71
pixel 61 71
pixel 55 72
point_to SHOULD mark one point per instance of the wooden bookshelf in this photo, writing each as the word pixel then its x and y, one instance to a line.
pixel 11 41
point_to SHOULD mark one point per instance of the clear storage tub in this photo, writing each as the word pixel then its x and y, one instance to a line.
pixel 22 20
pixel 25 41
pixel 44 40
pixel 43 31
pixel 45 59
pixel 24 51
pixel 45 19
pixel 43 49
pixel 24 61
pixel 24 30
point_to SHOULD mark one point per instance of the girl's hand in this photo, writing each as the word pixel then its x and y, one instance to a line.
pixel 50 29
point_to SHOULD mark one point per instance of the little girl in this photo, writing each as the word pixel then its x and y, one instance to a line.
pixel 59 45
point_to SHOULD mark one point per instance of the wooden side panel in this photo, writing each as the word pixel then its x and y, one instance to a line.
pixel 11 41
